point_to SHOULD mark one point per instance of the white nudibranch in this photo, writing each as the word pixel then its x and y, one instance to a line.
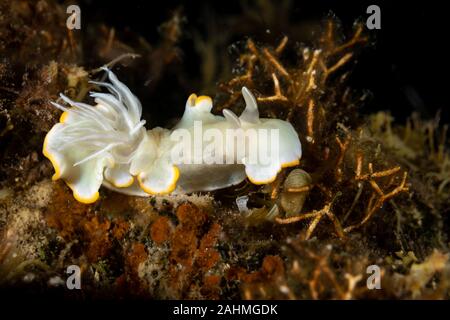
pixel 107 144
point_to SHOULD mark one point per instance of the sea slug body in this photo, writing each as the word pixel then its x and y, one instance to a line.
pixel 107 144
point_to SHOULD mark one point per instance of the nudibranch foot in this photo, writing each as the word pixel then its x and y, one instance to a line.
pixel 210 177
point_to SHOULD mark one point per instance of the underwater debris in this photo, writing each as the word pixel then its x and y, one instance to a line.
pixel 241 203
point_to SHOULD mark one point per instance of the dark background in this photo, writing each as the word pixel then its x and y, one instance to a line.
pixel 406 69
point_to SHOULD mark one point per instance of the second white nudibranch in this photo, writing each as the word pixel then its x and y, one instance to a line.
pixel 108 144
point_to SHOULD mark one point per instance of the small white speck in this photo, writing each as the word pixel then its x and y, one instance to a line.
pixel 29 277
pixel 55 281
pixel 284 289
